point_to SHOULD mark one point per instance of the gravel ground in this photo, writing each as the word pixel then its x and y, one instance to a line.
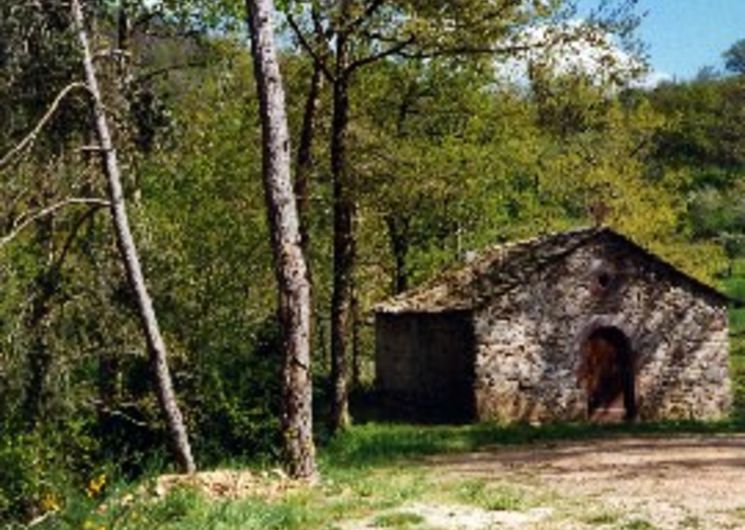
pixel 663 483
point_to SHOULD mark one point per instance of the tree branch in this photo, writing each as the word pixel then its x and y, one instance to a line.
pixel 317 59
pixel 19 226
pixel 118 413
pixel 31 137
pixel 393 50
pixel 399 48
pixel 73 234
pixel 469 50
pixel 369 11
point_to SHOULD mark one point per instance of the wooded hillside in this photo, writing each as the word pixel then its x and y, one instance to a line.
pixel 410 146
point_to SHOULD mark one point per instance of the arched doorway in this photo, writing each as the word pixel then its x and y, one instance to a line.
pixel 607 375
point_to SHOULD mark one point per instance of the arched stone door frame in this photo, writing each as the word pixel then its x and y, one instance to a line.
pixel 606 369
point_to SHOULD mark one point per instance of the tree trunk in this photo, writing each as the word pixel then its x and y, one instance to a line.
pixel 289 262
pixel 398 236
pixel 356 346
pixel 128 251
pixel 40 356
pixel 305 151
pixel 122 31
pixel 344 243
pixel 305 156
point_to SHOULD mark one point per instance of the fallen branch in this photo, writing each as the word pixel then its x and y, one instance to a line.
pixel 31 137
pixel 40 519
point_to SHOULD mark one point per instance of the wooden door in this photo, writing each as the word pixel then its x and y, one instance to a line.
pixel 607 376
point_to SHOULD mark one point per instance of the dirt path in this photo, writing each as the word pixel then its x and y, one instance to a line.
pixel 666 483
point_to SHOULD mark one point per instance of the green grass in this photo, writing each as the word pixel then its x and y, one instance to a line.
pixel 638 524
pixel 692 522
pixel 734 286
pixel 397 520
pixel 601 518
pixel 737 322
pixel 343 495
pixel 378 444
pixel 490 496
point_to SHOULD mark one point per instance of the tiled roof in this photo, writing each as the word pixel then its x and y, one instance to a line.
pixel 501 268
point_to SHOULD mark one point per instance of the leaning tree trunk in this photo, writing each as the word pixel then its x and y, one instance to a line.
pixel 289 262
pixel 128 251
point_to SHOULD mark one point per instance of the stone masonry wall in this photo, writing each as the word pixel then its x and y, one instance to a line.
pixel 528 340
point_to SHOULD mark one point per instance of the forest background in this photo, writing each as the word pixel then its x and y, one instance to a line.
pixel 462 130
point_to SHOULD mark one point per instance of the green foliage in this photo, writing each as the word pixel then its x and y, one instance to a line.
pixel 706 129
pixel 207 243
pixel 35 470
pixel 734 58
pixel 20 483
pixel 38 59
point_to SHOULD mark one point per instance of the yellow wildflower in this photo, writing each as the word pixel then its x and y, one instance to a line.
pixel 50 503
pixel 95 485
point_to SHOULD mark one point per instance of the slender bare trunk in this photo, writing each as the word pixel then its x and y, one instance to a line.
pixel 398 236
pixel 128 250
pixel 289 261
pixel 356 346
pixel 122 30
pixel 305 150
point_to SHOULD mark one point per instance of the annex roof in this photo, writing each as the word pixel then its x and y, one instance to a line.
pixel 501 268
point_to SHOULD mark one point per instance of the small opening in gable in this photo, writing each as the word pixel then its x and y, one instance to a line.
pixel 603 279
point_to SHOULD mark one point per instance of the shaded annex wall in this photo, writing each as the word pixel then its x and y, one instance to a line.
pixel 600 330
pixel 425 365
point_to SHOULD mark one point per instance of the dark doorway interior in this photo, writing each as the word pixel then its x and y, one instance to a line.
pixel 607 374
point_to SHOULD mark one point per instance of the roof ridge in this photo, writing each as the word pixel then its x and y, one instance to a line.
pixel 453 281
pixel 499 268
